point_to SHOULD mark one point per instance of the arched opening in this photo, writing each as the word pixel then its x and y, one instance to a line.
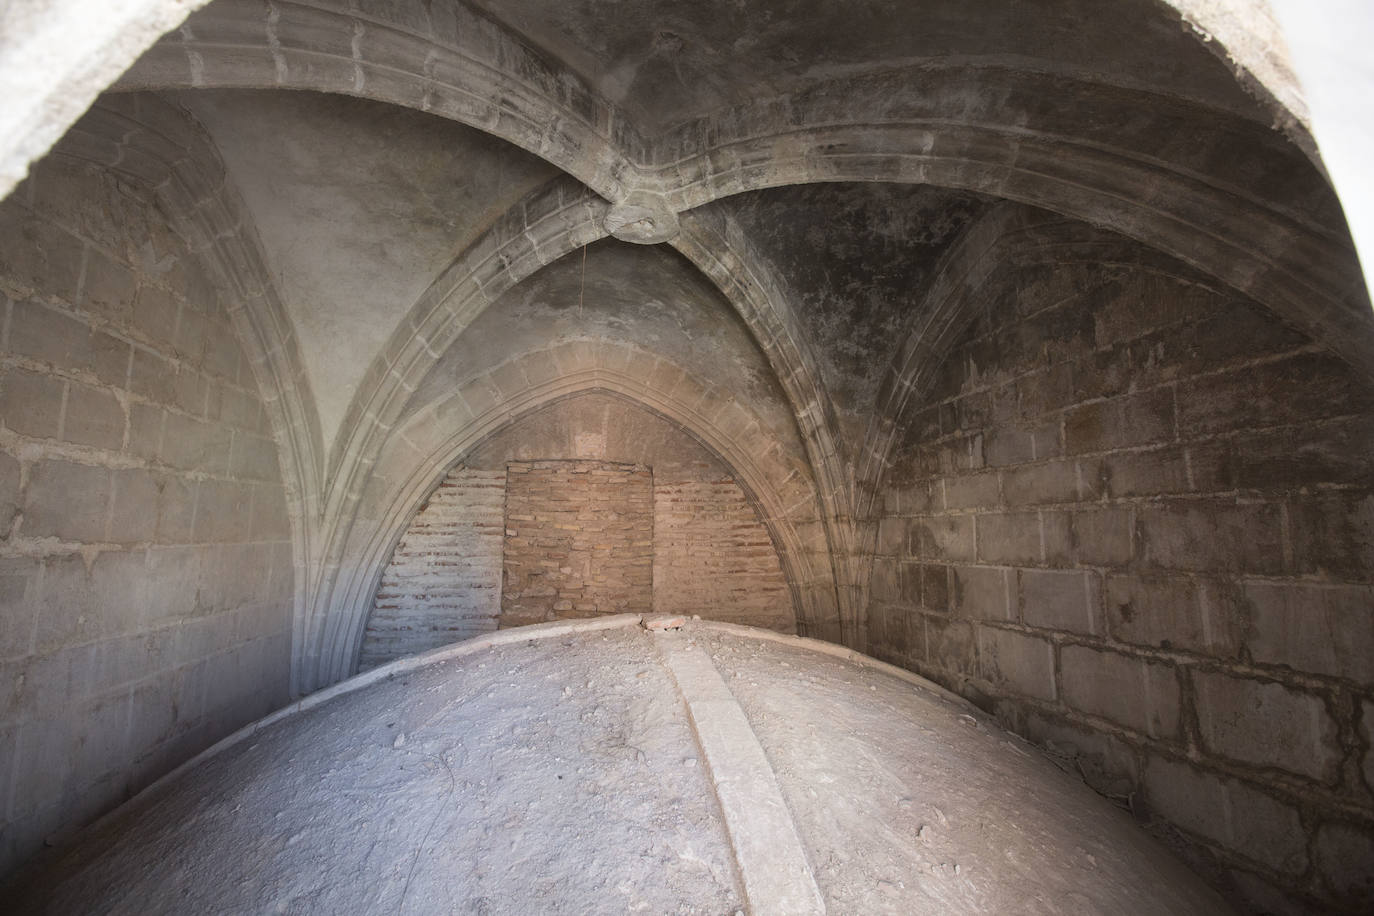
pixel 587 506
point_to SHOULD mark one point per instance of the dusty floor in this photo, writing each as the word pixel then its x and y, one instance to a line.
pixel 563 774
pixel 911 803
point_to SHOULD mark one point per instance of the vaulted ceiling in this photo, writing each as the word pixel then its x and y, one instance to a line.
pixel 430 213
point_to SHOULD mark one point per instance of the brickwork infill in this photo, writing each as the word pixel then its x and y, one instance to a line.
pixel 443 583
pixel 578 540
pixel 1137 520
pixel 713 557
pixel 146 567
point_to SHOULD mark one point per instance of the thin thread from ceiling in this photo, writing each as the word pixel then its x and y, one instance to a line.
pixel 583 288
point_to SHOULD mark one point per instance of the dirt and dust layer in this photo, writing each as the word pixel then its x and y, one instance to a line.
pixel 562 775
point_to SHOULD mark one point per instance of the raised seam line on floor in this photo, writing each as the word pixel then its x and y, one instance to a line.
pixel 768 850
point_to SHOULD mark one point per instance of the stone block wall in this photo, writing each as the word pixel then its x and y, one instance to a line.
pixel 578 540
pixel 713 557
pixel 443 583
pixel 145 559
pixel 1136 519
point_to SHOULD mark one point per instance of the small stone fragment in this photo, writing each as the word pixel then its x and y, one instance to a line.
pixel 664 623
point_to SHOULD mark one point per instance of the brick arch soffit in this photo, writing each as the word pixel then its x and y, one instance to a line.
pixel 477 73
pixel 408 471
pixel 160 148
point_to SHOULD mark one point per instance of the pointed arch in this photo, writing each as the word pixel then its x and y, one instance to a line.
pixel 421 451
pixel 719 249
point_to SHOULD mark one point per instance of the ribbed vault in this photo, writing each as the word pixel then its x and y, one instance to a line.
pixel 438 436
pixel 1226 202
pixel 895 237
pixel 1103 153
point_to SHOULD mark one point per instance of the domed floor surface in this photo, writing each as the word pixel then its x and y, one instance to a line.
pixel 600 767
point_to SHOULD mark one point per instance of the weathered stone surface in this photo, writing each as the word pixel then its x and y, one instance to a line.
pixel 1214 536
pixel 1018 662
pixel 1133 692
pixel 1367 730
pixel 983 592
pixel 1103 537
pixel 147 620
pixel 1322 629
pixel 1106 425
pixel 1193 543
pixel 32 403
pixel 1227 812
pixel 1175 613
pixel 945 537
pixel 1011 538
pixel 1266 724
pixel 1343 854
pixel 1061 600
pixel 67 501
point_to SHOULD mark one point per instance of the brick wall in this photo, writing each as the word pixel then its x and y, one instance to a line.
pixel 713 557
pixel 443 583
pixel 145 566
pixel 578 541
pixel 1136 519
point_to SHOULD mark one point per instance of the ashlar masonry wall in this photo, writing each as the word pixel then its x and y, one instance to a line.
pixel 145 557
pixel 1137 521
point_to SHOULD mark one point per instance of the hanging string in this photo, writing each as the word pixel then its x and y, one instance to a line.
pixel 583 288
